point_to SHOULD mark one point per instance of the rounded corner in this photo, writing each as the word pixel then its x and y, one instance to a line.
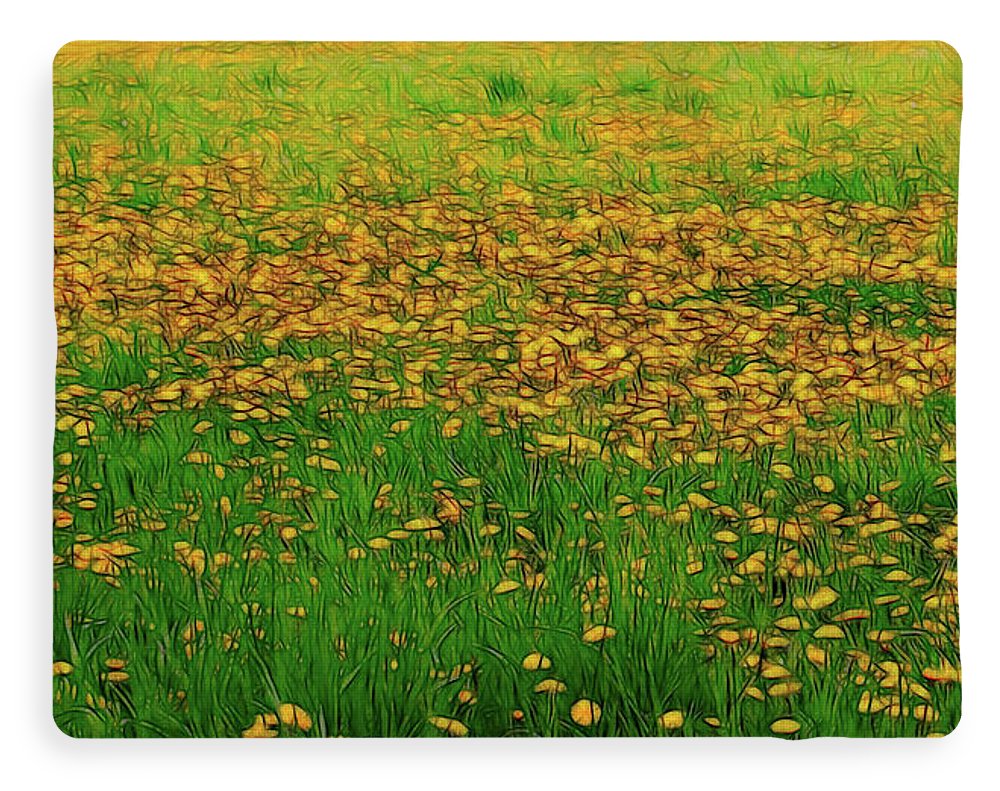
pixel 950 52
pixel 65 50
pixel 60 731
pixel 948 734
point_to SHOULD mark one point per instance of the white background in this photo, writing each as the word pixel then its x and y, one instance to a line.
pixel 38 756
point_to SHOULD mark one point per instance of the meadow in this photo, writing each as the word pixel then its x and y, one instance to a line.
pixel 505 390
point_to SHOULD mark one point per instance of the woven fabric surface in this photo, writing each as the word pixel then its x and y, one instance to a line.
pixel 456 389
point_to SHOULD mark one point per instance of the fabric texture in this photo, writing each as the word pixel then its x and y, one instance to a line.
pixel 525 389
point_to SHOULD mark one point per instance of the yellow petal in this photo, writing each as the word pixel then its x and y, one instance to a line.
pixel 421 523
pixel 550 686
pixel 585 712
pixel 785 727
pixel 293 715
pixel 826 485
pixel 596 634
pixel 259 730
pixel 536 661
pixel 452 426
pixel 671 720
pixel 450 726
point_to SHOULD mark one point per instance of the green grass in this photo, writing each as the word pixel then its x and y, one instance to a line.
pixel 149 111
pixel 322 131
pixel 504 89
pixel 360 602
pixel 910 309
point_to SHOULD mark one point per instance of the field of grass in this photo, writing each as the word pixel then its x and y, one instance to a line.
pixel 505 390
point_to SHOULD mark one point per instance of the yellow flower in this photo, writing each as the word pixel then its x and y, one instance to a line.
pixel 785 727
pixel 585 712
pixel 671 720
pixel 550 686
pixel 536 661
pixel 596 634
pixel 293 715
pixel 259 729
pixel 450 726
